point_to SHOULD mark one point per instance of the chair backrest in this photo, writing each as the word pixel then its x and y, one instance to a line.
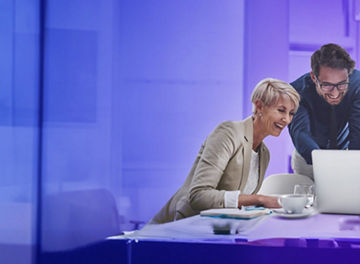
pixel 73 219
pixel 283 183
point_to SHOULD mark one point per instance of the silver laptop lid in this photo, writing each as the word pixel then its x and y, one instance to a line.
pixel 337 180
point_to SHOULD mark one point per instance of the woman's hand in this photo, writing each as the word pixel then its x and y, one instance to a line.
pixel 268 201
pixel 258 199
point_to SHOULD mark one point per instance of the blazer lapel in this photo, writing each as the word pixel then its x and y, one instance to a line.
pixel 248 142
pixel 262 165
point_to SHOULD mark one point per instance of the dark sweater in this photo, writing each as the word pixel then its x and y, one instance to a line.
pixel 310 128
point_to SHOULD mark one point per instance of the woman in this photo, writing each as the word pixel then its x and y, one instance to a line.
pixel 231 164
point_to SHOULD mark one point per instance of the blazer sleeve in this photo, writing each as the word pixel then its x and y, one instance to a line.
pixel 299 128
pixel 219 147
pixel 300 133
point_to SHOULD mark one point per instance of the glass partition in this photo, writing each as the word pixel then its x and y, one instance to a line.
pixel 80 182
pixel 19 71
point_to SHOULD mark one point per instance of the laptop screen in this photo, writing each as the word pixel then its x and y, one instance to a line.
pixel 337 181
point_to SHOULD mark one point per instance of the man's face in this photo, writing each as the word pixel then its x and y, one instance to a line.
pixel 331 84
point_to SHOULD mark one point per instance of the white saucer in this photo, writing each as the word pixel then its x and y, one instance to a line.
pixel 306 213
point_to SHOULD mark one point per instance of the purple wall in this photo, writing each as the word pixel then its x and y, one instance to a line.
pixel 267 55
pixel 182 74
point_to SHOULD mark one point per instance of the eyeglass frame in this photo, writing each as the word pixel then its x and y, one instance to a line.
pixel 345 82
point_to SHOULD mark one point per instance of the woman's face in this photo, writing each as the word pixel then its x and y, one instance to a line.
pixel 277 116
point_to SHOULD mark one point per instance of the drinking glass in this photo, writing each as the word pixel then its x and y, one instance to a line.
pixel 308 191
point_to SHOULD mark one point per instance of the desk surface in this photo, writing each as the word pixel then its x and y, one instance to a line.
pixel 200 229
pixel 322 238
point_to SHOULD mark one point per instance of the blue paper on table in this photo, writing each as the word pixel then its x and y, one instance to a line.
pixel 251 208
pixel 235 213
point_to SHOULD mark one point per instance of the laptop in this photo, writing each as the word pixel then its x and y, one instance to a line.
pixel 337 181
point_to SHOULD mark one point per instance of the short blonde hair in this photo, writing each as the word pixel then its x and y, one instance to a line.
pixel 269 91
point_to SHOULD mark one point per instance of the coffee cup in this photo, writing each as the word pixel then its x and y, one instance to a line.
pixel 293 203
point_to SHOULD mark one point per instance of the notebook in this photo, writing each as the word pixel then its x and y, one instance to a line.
pixel 245 213
pixel 337 181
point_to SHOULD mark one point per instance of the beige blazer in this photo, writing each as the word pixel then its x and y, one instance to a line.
pixel 222 164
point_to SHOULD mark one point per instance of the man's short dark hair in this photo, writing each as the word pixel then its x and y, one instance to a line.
pixel 332 56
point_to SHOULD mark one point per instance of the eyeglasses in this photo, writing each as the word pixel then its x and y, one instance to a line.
pixel 329 87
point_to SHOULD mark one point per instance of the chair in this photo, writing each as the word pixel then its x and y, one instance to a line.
pixel 77 218
pixel 283 183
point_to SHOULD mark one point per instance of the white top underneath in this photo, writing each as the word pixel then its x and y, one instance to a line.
pixel 231 197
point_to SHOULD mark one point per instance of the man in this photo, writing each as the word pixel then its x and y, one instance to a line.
pixel 329 112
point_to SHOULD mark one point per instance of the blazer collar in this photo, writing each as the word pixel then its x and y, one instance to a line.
pixel 248 131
